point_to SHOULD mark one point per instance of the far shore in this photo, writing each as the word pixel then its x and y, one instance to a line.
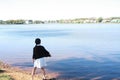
pixel 19 74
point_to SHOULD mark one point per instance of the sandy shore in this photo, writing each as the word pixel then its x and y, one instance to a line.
pixel 20 74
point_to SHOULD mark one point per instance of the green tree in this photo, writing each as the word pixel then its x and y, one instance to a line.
pixel 99 19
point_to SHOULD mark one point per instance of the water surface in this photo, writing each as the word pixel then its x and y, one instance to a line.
pixel 82 51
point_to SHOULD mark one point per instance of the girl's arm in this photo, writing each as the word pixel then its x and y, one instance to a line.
pixel 33 57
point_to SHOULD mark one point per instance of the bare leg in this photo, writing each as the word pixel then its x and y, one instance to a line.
pixel 43 71
pixel 33 72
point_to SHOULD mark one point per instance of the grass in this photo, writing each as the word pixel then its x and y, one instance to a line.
pixel 5 77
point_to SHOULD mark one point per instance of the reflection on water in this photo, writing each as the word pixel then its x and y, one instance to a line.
pixel 79 68
pixel 84 49
pixel 40 33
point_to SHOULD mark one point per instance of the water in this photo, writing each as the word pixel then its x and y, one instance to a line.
pixel 79 51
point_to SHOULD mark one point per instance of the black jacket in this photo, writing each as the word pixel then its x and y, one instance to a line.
pixel 39 52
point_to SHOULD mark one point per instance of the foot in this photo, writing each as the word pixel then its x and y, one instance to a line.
pixel 44 77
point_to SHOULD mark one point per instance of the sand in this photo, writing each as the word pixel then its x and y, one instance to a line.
pixel 19 74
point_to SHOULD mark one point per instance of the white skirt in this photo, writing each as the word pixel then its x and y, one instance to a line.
pixel 39 63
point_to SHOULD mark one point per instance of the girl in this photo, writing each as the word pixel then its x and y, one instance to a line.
pixel 39 54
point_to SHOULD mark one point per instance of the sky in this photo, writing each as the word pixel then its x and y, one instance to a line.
pixel 58 9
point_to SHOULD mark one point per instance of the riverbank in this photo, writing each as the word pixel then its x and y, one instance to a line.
pixel 15 73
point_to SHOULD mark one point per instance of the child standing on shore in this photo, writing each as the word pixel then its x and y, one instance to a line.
pixel 39 54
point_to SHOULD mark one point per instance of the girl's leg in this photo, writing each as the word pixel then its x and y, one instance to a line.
pixel 44 72
pixel 33 72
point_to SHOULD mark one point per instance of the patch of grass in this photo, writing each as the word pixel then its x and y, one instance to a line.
pixel 5 77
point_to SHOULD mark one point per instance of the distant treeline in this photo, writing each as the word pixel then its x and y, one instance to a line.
pixel 77 20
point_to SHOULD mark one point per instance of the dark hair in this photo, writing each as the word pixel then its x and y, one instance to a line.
pixel 37 41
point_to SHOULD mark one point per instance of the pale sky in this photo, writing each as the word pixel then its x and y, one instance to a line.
pixel 58 9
